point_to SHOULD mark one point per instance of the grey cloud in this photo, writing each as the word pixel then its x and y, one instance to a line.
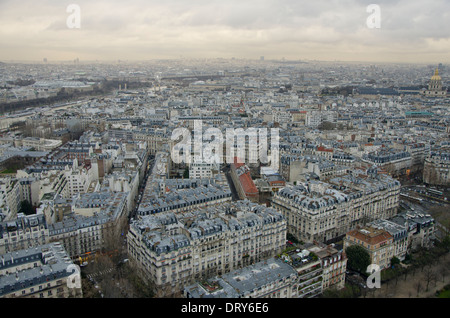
pixel 232 26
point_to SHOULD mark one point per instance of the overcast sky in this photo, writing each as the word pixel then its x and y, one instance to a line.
pixel 411 30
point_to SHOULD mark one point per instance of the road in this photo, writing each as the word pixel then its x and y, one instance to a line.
pixel 234 193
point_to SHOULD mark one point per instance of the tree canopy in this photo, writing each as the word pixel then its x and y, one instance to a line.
pixel 26 208
pixel 358 258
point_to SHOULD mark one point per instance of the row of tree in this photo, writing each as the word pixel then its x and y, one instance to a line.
pixel 63 95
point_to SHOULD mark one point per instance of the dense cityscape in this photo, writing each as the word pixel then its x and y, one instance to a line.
pixel 89 179
pixel 195 178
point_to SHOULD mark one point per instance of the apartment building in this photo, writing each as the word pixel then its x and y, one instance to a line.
pixel 24 232
pixel 323 211
pixel 271 278
pixel 126 181
pixel 9 198
pixel 302 273
pixel 25 188
pixel 78 150
pixel 78 180
pixel 315 118
pixel 395 162
pixel 45 271
pixel 436 169
pixel 202 170
pixel 418 152
pixel 174 250
pixel 282 117
pixel 67 182
pixel 399 233
pixel 334 266
pixel 97 219
pixel 420 226
pixel 154 137
pixel 295 167
pixel 319 267
pixel 377 242
pixel 87 224
pixel 343 158
pixel 177 195
pixel 309 271
pixel 39 182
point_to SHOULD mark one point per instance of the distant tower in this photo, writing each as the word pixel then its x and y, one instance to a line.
pixel 435 88
pixel 261 58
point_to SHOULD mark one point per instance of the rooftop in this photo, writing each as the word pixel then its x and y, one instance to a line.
pixel 370 235
pixel 52 263
pixel 200 223
pixel 240 283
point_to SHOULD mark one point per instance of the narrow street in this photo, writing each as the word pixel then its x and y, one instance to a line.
pixel 234 194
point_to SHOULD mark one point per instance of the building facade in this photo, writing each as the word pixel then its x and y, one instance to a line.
pixel 437 168
pixel 271 278
pixel 323 211
pixel 45 271
pixel 24 232
pixel 377 242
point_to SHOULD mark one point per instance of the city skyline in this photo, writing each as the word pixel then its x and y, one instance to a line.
pixel 222 149
pixel 410 31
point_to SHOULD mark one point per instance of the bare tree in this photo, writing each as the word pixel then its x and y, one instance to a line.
pixel 102 266
pixel 114 235
pixel 418 286
pixel 429 276
pixel 406 272
pixel 444 270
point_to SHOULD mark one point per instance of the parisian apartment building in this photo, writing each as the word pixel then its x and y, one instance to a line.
pixel 174 250
pixel 44 271
pixel 378 243
pixel 302 273
pixel 322 211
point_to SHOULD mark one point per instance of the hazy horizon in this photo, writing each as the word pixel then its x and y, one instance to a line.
pixel 412 32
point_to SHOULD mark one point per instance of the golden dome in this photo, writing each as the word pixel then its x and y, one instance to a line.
pixel 436 76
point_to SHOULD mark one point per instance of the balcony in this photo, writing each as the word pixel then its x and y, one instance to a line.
pixel 310 290
pixel 309 282
pixel 302 271
pixel 310 276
